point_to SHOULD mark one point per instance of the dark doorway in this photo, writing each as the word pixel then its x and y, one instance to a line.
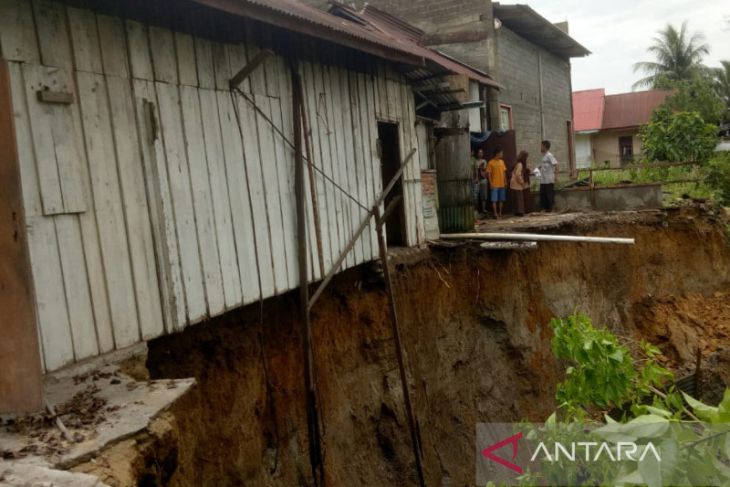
pixel 389 164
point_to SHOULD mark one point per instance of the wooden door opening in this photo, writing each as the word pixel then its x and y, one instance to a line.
pixel 389 164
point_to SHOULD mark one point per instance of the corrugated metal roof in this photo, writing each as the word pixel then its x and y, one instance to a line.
pixel 631 109
pixel 356 31
pixel 523 20
pixel 588 108
pixel 297 17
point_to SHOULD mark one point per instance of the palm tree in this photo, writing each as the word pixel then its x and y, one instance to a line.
pixel 722 85
pixel 678 56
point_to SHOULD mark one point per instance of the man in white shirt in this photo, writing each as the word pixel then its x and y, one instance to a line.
pixel 548 177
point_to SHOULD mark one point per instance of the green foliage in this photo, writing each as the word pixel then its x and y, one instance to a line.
pixel 678 137
pixel 718 177
pixel 721 78
pixel 677 56
pixel 695 95
pixel 602 373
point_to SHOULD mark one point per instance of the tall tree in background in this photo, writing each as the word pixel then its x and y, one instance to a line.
pixel 678 56
pixel 722 86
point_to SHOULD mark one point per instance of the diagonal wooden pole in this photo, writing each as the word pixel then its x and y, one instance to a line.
pixel 415 443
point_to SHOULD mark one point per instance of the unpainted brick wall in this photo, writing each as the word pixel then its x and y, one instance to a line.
pixel 519 72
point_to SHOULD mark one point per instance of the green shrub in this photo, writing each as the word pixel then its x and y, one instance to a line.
pixel 678 137
pixel 718 177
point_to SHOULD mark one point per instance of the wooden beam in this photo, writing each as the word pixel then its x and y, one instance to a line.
pixel 21 386
pixel 245 71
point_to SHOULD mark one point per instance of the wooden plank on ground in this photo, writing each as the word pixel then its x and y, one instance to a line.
pixel 108 205
pixel 136 210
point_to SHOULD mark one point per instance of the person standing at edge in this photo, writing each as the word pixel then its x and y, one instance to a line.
pixel 548 177
pixel 496 171
pixel 517 184
pixel 480 167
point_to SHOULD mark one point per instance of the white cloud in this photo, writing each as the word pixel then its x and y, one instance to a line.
pixel 618 33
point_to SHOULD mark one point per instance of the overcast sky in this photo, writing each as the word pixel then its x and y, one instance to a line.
pixel 618 32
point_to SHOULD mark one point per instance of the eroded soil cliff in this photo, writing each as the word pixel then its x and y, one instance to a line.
pixel 476 331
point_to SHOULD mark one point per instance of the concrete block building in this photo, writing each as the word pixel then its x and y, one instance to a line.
pixel 525 53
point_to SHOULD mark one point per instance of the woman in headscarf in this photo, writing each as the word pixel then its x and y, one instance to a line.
pixel 518 185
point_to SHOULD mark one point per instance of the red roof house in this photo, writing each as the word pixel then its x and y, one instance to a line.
pixel 607 126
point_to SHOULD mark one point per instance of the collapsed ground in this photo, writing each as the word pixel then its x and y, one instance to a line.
pixel 475 327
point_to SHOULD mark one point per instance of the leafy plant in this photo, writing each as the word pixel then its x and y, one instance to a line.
pixel 718 177
pixel 678 137
pixel 698 94
pixel 602 374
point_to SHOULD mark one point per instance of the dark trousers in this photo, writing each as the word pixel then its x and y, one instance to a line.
pixel 547 196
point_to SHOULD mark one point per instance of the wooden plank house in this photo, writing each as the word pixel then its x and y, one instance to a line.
pixel 143 194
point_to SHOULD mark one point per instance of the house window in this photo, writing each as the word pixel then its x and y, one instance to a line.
pixel 505 117
pixel 626 149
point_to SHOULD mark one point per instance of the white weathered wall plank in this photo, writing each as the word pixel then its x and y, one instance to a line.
pixel 113 46
pixel 18 39
pixel 256 190
pixel 162 45
pixel 53 37
pixel 85 40
pixel 162 218
pixel 202 204
pixel 219 191
pixel 239 204
pixel 76 286
pixel 140 60
pixel 107 198
pixel 178 175
pixel 136 210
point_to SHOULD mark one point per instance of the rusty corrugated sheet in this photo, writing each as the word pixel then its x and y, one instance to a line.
pixel 588 106
pixel 629 110
pixel 296 17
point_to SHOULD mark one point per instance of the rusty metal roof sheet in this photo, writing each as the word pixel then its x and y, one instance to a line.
pixel 631 109
pixel 588 109
pixel 356 31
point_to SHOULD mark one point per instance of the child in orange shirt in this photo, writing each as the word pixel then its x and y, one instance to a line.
pixel 496 173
